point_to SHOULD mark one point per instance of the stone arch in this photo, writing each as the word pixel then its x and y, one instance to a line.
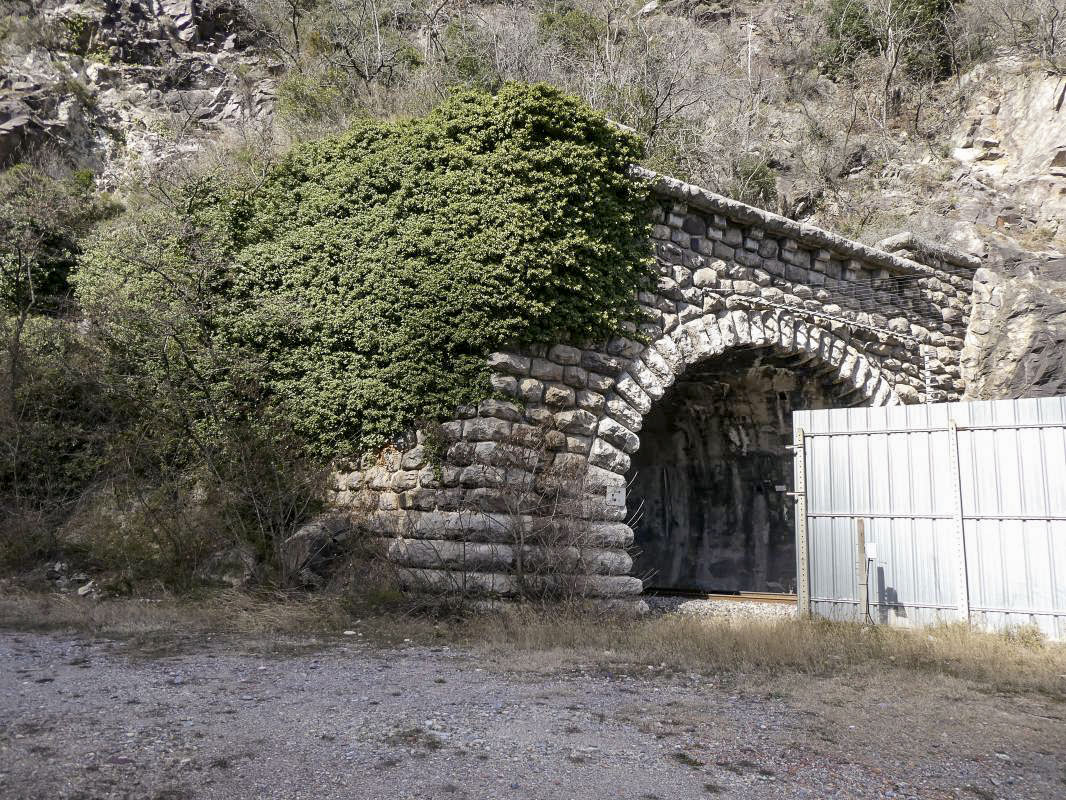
pixel 885 325
pixel 652 370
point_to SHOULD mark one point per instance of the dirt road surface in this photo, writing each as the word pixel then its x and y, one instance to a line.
pixel 335 718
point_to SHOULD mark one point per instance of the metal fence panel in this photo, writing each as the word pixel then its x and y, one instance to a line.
pixel 963 506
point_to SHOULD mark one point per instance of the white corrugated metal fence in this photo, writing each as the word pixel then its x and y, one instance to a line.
pixel 961 507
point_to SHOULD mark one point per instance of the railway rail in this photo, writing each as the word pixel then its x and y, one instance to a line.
pixel 750 597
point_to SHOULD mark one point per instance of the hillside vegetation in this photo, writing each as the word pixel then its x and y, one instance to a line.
pixel 241 239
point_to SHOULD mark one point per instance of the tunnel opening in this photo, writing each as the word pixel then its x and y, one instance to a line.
pixel 709 486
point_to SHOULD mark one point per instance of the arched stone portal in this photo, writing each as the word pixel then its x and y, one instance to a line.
pixel 740 289
pixel 708 495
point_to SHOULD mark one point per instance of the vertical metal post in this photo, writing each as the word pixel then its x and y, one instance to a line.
pixel 962 585
pixel 803 575
pixel 861 570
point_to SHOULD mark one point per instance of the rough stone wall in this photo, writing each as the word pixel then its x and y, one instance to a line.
pixel 880 328
pixel 1016 342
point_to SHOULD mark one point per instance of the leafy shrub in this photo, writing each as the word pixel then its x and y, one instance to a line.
pixel 575 29
pixel 307 98
pixel 363 281
pixel 41 220
pixel 469 61
pixel 753 182
pixel 916 32
pixel 56 422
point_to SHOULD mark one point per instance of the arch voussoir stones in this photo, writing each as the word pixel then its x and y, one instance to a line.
pixel 829 306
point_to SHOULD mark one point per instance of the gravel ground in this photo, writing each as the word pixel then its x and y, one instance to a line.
pixel 233 719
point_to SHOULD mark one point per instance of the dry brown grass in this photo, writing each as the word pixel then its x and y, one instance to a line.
pixel 541 640
pixel 680 642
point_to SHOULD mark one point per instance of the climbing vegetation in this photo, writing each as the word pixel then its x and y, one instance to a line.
pixel 366 276
pixel 239 330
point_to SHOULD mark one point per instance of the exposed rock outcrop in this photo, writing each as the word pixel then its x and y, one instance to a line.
pixel 131 84
pixel 1016 343
pixel 1012 151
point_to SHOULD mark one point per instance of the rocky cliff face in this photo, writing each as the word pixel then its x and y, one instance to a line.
pixel 124 85
pixel 1016 343
pixel 1011 148
pixel 1010 209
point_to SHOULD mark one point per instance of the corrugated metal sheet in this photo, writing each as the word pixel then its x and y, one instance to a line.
pixel 965 504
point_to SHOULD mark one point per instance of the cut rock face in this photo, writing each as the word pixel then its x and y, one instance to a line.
pixel 1016 342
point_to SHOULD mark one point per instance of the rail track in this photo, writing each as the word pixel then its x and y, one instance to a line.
pixel 747 597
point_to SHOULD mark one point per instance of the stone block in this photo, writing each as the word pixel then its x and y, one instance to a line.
pixel 499 409
pixel 693 259
pixel 748 258
pixel 451 431
pixel 481 475
pixel 705 278
pixel 402 481
pixel 491 453
pixel 576 421
pixel 530 390
pixel 623 412
pixel 618 435
pixel 578 444
pixel 748 288
pixel 648 380
pixel 657 364
pixel 565 355
pixel 509 362
pixel 559 395
pixel 546 370
pixel 626 348
pixel 733 236
pixel 415 458
pixel 576 377
pixel 590 401
pixel 555 440
pixel 461 453
pixel 723 251
pixel 688 311
pixel 631 391
pixel 606 455
pixel 694 225
pixel 486 429
pixel 599 383
pixel 504 384
pixel 768 248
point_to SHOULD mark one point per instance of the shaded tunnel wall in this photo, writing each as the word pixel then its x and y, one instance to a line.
pixel 712 474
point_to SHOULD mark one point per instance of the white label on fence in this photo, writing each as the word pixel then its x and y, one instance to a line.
pixel 871 551
pixel 616 495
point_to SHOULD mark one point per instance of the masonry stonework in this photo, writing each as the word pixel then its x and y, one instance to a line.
pixel 880 326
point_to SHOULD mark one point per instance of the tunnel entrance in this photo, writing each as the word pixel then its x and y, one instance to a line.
pixel 709 483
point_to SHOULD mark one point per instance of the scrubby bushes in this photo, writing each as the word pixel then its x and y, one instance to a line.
pixel 915 36
pixel 370 273
pixel 235 334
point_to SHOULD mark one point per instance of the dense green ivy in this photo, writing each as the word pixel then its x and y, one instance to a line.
pixel 371 272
